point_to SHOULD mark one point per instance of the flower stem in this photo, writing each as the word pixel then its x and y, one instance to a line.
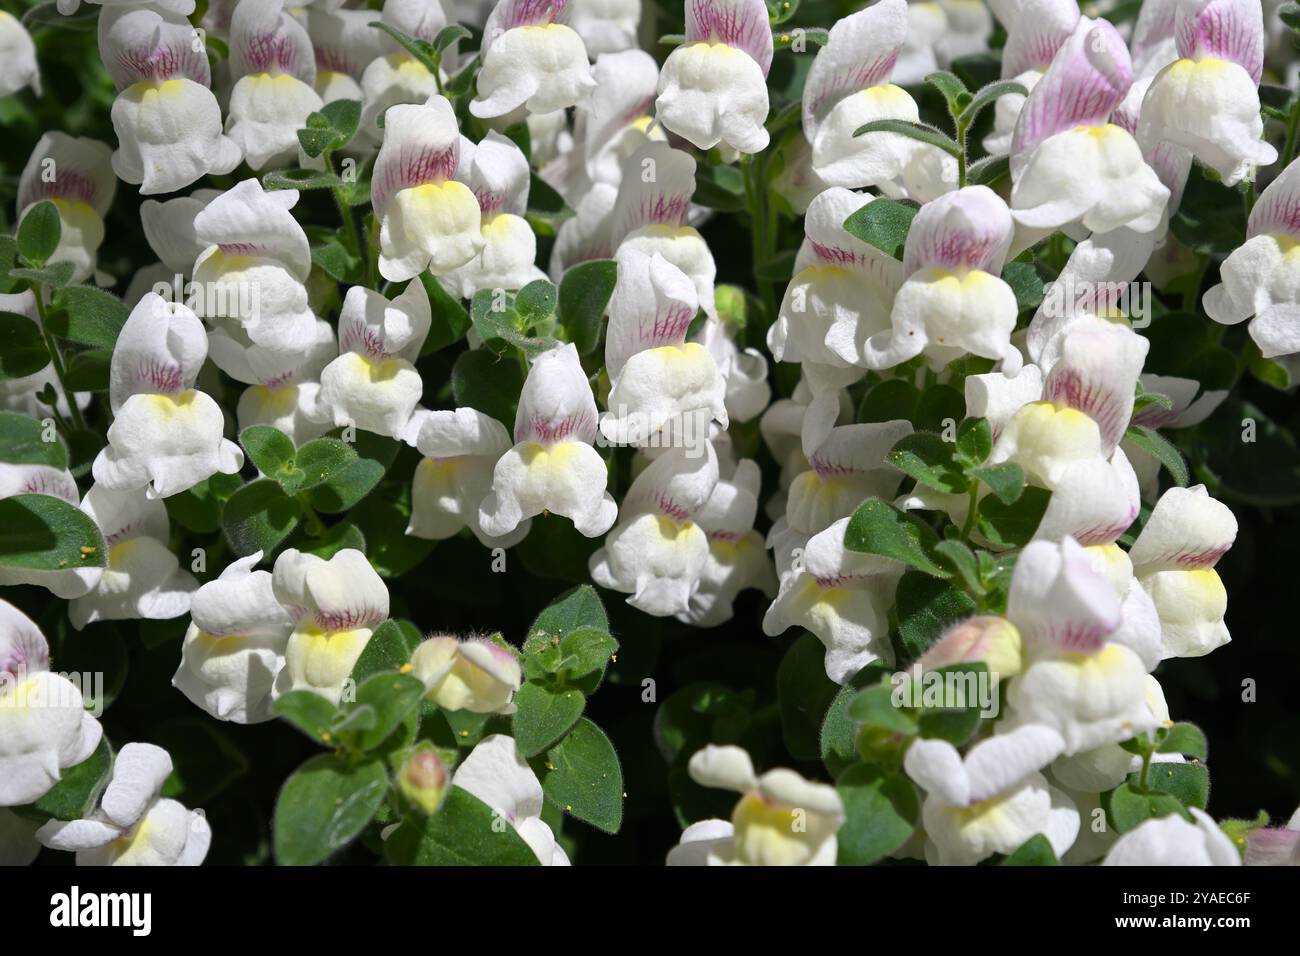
pixel 56 359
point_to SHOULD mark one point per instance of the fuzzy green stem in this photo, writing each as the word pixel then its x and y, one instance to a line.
pixel 56 359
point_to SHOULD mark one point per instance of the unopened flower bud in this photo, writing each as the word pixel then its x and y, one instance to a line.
pixel 423 778
pixel 993 640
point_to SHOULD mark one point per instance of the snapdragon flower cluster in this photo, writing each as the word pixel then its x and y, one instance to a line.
pixel 466 264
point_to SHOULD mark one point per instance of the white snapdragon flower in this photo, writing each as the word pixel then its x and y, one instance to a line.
pixel 713 88
pixel 142 577
pixel 781 818
pixel 345 44
pixel 531 59
pixel 18 67
pixel 737 557
pixel 274 71
pixel 661 385
pixel 611 125
pixel 1260 280
pixel 496 774
pixel 373 384
pixel 74 173
pixel 235 644
pixel 841 291
pixel 169 230
pixel 589 233
pixel 657 551
pixel 1082 410
pixel 746 392
pixel 396 77
pixel 498 175
pixel 1207 101
pixel 134 824
pixel 606 26
pixel 1071 166
pixel 1079 681
pixel 552 466
pixel 478 675
pixel 993 799
pixel 460 449
pixel 284 387
pixel 250 278
pixel 335 606
pixel 953 302
pixel 1275 846
pixel 650 214
pixel 44 728
pixel 1038 30
pixel 1173 559
pixel 844 469
pixel 1104 768
pixel 841 596
pixel 849 86
pixel 166 435
pixel 168 123
pixel 1173 841
pixel 427 220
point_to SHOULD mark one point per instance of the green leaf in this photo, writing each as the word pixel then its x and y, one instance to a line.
pixel 839 730
pixel 926 607
pixel 75 795
pixel 301 179
pixel 55 275
pixel 324 806
pixel 199 508
pixel 1188 783
pixel 44 533
pixel 989 170
pixel 1011 526
pixel 958 557
pixel 317 462
pixel 270 449
pixel 423 51
pixel 258 517
pixel 388 649
pixel 920 132
pixel 309 712
pixel 464 832
pixel 881 812
pixel 392 696
pixel 39 233
pixel 883 223
pixel 875 707
pixel 974 440
pixel 450 319
pixel 952 89
pixel 331 128
pixel 877 527
pixel 449 35
pixel 587 780
pixel 544 715
pixel 1130 807
pixel 986 95
pixel 536 301
pixel 89 371
pixel 22 347
pixel 1026 283
pixel 23 442
pixel 1157 445
pixel 586 650
pixel 1005 480
pixel 579 608
pixel 804 693
pixel 585 290
pixel 889 401
pixel 929 459
pixel 1183 738
pixel 1035 851
pixel 88 315
pixel 483 380
pixel 1290 15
